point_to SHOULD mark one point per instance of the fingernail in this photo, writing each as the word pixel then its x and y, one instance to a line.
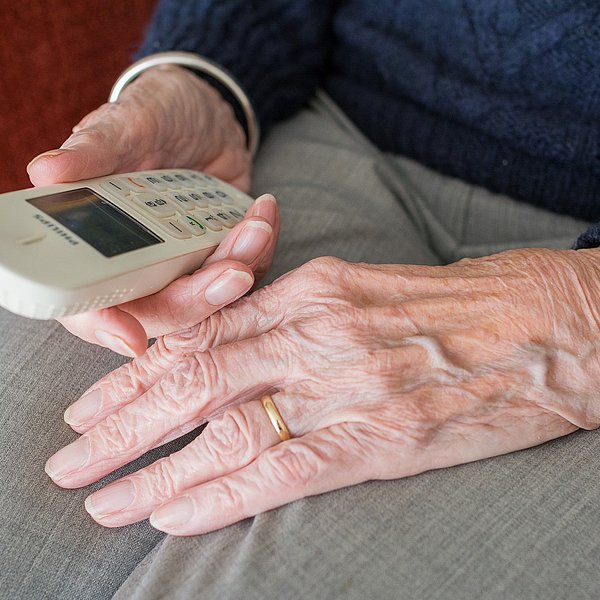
pixel 251 241
pixel 50 154
pixel 68 459
pixel 173 514
pixel 228 286
pixel 115 343
pixel 85 409
pixel 111 499
pixel 266 206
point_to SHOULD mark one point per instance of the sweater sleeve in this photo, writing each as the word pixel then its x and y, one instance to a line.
pixel 590 238
pixel 277 49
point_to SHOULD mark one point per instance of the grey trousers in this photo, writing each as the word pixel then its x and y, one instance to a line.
pixel 525 525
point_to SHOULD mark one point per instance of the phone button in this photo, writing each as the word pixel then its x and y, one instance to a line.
pixel 176 228
pixel 211 197
pixel 137 185
pixel 210 220
pixel 155 205
pixel 202 179
pixel 225 198
pixel 199 199
pixel 151 182
pixel 226 220
pixel 235 214
pixel 117 187
pixel 195 226
pixel 182 201
pixel 184 181
pixel 170 181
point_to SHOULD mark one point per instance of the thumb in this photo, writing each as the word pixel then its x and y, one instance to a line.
pixel 88 153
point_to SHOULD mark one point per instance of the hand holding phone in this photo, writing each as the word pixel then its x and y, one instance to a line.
pixel 166 118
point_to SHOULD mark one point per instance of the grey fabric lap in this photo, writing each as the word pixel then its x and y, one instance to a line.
pixel 497 528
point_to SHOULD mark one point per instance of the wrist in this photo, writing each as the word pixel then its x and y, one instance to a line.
pixel 215 75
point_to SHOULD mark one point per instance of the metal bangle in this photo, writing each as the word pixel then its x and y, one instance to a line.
pixel 202 65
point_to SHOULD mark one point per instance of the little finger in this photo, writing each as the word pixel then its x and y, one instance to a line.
pixel 318 462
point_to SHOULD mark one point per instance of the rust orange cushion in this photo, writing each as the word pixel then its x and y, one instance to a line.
pixel 58 61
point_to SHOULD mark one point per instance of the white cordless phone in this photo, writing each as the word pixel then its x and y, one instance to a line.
pixel 75 247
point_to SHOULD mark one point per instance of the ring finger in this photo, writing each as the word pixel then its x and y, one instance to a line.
pixel 228 443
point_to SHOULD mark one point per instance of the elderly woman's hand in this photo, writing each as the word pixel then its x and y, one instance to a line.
pixel 379 372
pixel 168 117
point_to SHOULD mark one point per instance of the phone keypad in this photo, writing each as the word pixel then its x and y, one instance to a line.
pixel 184 205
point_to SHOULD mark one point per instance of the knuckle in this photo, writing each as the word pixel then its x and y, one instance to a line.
pixel 292 465
pixel 321 271
pixel 163 481
pixel 207 371
pixel 210 331
pixel 122 385
pixel 229 436
pixel 115 437
pixel 181 341
pixel 259 308
pixel 226 496
pixel 325 263
pixel 175 386
pixel 91 134
pixel 158 358
pixel 142 369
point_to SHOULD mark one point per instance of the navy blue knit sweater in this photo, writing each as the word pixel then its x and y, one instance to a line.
pixel 500 93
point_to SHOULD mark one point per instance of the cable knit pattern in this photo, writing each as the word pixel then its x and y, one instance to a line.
pixel 276 49
pixel 502 93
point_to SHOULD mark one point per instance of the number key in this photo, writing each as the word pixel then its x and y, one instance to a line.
pixel 155 205
pixel 182 201
pixel 210 220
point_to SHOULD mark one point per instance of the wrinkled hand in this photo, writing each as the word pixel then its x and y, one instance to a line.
pixel 379 371
pixel 167 117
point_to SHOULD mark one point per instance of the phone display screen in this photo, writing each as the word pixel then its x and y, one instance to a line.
pixel 97 221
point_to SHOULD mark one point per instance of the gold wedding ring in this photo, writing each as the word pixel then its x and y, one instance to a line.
pixel 275 417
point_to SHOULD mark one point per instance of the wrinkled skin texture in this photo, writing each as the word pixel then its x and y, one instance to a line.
pixel 166 118
pixel 379 371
